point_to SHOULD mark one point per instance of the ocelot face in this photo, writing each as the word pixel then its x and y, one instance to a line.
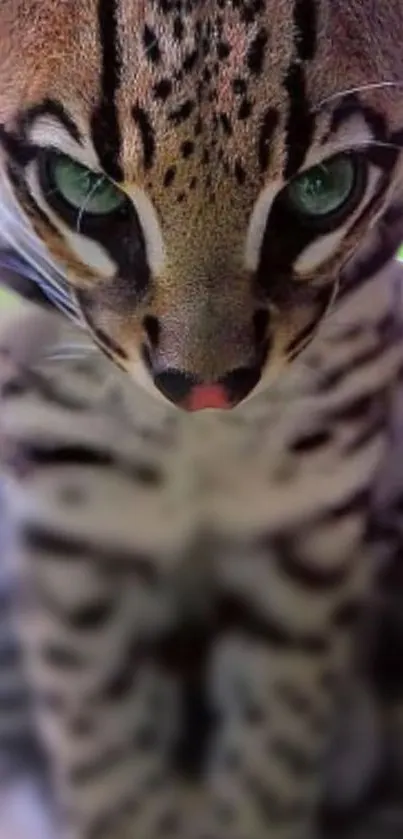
pixel 202 173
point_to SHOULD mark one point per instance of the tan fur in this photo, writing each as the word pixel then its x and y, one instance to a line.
pixel 202 295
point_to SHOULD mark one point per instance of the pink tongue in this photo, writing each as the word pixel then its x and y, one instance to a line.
pixel 207 396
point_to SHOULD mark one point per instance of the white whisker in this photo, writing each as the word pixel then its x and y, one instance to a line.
pixel 87 199
pixel 359 89
pixel 383 144
pixel 22 252
pixel 75 352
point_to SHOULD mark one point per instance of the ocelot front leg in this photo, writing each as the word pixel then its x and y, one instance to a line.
pixel 278 670
pixel 161 723
pixel 188 697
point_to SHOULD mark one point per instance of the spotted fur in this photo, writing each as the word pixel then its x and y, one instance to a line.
pixel 191 587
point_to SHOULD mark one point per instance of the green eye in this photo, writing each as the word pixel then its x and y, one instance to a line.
pixel 324 190
pixel 86 192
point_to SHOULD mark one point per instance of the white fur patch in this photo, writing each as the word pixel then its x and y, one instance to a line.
pixel 151 228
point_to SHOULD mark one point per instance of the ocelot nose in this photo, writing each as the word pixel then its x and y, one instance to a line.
pixel 189 393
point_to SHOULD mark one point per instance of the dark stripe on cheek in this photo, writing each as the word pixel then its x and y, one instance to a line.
pixel 104 123
pixel 143 123
pixel 300 122
pixel 305 20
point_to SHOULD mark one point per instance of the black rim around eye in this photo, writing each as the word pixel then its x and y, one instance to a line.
pixel 78 217
pixel 326 222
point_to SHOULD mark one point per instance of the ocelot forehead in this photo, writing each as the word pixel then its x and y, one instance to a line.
pixel 196 103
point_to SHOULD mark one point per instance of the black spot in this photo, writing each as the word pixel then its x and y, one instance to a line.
pixel 14 387
pixel 205 45
pixel 181 197
pixel 187 148
pixel 239 86
pixel 193 183
pixel 223 50
pixel 91 616
pixel 104 122
pixel 198 129
pixel 239 172
pixel 268 127
pixel 143 123
pixel 305 19
pixel 250 11
pixel 178 28
pixel 120 683
pixel 256 53
pixel 146 474
pixel 169 176
pixel 54 545
pixel 181 114
pixel 311 441
pixel 163 89
pixel 226 124
pixel 186 654
pixel 50 454
pixel 348 614
pixel 189 61
pixel 151 45
pixel 245 109
pixel 235 614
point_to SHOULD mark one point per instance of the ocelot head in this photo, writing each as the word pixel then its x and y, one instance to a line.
pixel 195 181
